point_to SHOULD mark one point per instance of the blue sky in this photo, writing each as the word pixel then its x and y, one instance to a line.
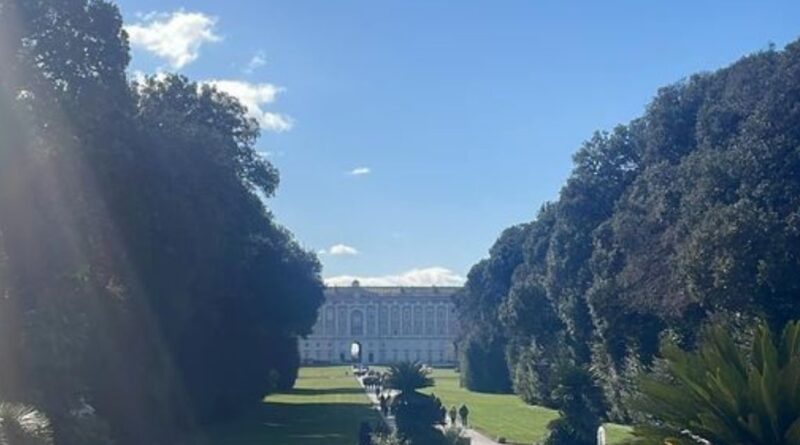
pixel 461 117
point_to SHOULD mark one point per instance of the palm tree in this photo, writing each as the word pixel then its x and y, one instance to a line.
pixel 725 395
pixel 23 425
pixel 417 415
pixel 408 377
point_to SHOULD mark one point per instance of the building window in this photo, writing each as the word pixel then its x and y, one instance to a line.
pixel 341 319
pixel 430 322
pixel 370 320
pixel 407 320
pixel 395 320
pixel 330 321
pixel 441 322
pixel 418 320
pixel 356 323
pixel 317 329
pixel 383 320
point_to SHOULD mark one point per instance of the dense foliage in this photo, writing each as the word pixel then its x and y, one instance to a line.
pixel 417 415
pixel 687 214
pixel 726 394
pixel 23 425
pixel 407 377
pixel 143 284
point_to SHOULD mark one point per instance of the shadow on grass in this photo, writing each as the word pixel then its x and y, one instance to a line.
pixel 323 391
pixel 295 424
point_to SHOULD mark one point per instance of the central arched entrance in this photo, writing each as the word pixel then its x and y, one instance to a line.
pixel 356 351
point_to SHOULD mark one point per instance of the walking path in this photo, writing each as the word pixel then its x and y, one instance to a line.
pixel 388 419
pixel 476 438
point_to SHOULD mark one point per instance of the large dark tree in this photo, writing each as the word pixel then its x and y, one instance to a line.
pixel 142 279
pixel 685 216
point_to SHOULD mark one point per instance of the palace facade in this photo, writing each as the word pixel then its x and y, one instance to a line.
pixel 388 324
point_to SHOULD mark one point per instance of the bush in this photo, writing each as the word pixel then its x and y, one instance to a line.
pixel 455 436
pixel 417 417
pixel 24 425
pixel 388 439
pixel 725 394
pixel 580 405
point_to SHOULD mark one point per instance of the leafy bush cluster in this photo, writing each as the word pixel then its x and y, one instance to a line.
pixel 725 393
pixel 144 286
pixel 687 214
pixel 418 415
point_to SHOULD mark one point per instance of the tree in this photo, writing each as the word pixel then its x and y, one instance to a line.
pixel 23 425
pixel 142 274
pixel 725 394
pixel 417 414
pixel 577 397
pixel 686 215
pixel 408 377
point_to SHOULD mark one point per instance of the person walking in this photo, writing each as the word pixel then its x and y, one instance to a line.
pixel 384 405
pixel 452 414
pixel 463 412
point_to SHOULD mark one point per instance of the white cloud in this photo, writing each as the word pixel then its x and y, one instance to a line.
pixel 254 96
pixel 175 37
pixel 257 61
pixel 359 171
pixel 340 250
pixel 430 276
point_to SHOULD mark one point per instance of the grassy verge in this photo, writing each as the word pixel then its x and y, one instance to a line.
pixel 505 415
pixel 325 408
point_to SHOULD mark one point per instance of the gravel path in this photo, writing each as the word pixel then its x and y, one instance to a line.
pixel 476 438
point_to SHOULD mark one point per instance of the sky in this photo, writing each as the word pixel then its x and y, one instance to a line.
pixel 409 134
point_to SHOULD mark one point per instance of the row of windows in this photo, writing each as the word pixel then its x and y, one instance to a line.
pixel 383 321
pixel 429 355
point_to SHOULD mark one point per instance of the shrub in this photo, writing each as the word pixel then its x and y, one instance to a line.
pixel 725 394
pixel 455 436
pixel 23 425
pixel 579 402
pixel 417 416
pixel 388 439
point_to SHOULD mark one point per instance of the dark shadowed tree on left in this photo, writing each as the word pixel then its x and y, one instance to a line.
pixel 146 288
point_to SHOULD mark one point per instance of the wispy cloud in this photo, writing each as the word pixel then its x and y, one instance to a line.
pixel 429 276
pixel 175 37
pixel 255 96
pixel 257 61
pixel 340 250
pixel 359 171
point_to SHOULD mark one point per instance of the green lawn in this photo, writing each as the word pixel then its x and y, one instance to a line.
pixel 327 405
pixel 504 415
pixel 325 408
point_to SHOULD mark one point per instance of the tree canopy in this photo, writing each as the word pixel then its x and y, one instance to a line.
pixel 142 279
pixel 687 214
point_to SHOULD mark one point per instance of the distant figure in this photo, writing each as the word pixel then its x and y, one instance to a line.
pixel 384 405
pixel 463 412
pixel 452 414
pixel 377 391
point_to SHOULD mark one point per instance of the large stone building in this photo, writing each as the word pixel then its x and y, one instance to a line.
pixel 387 324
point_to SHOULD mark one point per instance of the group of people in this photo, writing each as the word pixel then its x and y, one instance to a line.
pixel 374 381
pixel 462 414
